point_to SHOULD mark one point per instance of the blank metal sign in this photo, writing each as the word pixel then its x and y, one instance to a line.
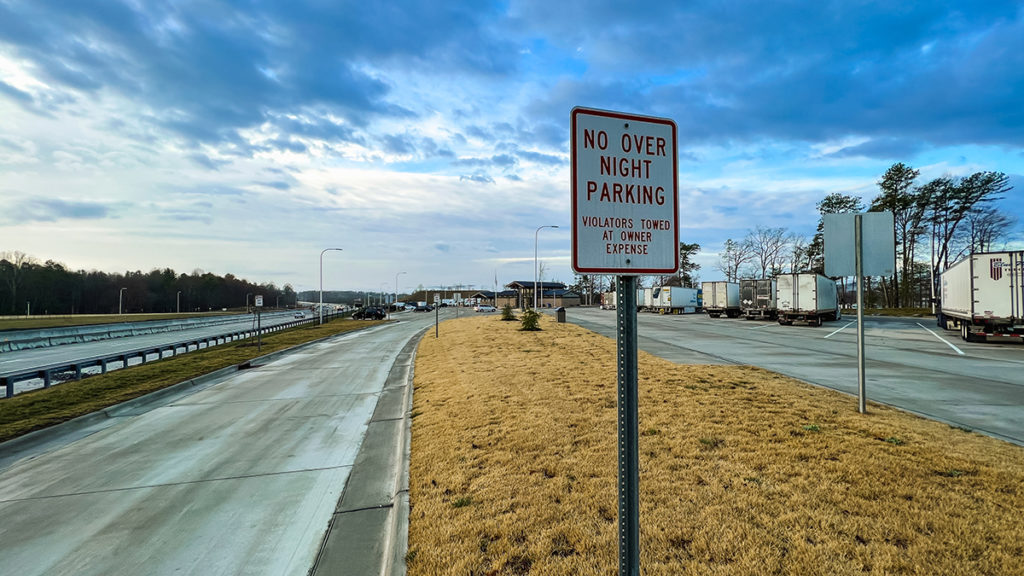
pixel 878 244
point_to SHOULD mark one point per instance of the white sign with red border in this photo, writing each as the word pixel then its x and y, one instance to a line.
pixel 624 194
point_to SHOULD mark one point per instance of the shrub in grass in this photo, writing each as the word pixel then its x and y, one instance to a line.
pixel 531 321
pixel 506 313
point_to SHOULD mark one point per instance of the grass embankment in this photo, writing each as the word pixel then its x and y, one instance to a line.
pixel 45 407
pixel 33 322
pixel 742 471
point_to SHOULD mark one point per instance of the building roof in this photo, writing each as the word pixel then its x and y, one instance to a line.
pixel 559 294
pixel 528 284
pixel 490 294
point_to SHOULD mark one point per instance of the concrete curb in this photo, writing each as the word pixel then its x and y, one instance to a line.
pixel 47 439
pixel 368 533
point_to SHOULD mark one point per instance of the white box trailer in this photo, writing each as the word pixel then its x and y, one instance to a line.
pixel 722 298
pixel 758 298
pixel 674 300
pixel 644 298
pixel 608 300
pixel 806 297
pixel 983 295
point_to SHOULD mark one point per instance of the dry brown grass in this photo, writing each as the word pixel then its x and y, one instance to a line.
pixel 742 471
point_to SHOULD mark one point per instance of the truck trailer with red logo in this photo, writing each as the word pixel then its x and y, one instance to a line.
pixel 983 296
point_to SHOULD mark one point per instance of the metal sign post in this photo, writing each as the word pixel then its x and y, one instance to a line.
pixel 861 245
pixel 259 326
pixel 858 246
pixel 628 400
pixel 625 222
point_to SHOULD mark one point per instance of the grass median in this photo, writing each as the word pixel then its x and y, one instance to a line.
pixel 742 471
pixel 45 407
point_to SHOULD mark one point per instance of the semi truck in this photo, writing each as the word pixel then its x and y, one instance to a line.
pixel 722 297
pixel 806 297
pixel 674 300
pixel 758 298
pixel 983 296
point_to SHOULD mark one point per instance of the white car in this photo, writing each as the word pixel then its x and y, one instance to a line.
pixel 485 308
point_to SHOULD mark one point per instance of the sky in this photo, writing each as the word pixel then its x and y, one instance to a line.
pixel 432 138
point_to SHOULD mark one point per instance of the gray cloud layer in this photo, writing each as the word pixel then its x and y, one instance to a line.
pixel 907 76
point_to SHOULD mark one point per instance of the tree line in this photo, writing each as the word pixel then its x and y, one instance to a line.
pixel 28 286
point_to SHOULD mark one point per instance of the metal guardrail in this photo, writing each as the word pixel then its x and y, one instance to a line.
pixel 46 372
pixel 16 340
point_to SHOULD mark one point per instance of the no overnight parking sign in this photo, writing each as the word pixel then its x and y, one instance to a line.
pixel 624 194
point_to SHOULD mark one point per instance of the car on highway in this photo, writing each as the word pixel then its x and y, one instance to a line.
pixel 423 308
pixel 369 313
pixel 485 308
pixel 299 315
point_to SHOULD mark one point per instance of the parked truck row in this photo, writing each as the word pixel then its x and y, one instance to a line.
pixel 981 296
pixel 789 298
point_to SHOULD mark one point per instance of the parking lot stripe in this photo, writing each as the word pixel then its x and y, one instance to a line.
pixel 840 330
pixel 958 351
pixel 761 326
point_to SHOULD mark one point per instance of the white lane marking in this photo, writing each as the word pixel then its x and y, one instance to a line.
pixel 840 330
pixel 762 326
pixel 958 351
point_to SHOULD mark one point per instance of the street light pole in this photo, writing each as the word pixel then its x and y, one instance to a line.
pixel 396 294
pixel 325 250
pixel 247 294
pixel 535 269
pixel 120 309
pixel 178 298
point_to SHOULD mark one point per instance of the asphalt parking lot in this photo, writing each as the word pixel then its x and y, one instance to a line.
pixel 910 363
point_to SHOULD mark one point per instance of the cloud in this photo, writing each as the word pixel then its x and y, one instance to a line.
pixel 15 94
pixel 209 72
pixel 478 177
pixel 797 71
pixel 207 162
pixel 497 161
pixel 277 185
pixel 889 149
pixel 54 209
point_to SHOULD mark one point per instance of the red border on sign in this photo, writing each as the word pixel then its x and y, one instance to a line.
pixel 675 192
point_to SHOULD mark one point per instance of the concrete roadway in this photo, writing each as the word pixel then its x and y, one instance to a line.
pixel 909 363
pixel 17 361
pixel 241 477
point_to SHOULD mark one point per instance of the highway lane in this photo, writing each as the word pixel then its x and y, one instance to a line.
pixel 909 363
pixel 238 478
pixel 15 361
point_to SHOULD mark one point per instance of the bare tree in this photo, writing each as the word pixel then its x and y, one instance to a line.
pixel 12 268
pixel 986 226
pixel 768 248
pixel 733 257
pixel 799 260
